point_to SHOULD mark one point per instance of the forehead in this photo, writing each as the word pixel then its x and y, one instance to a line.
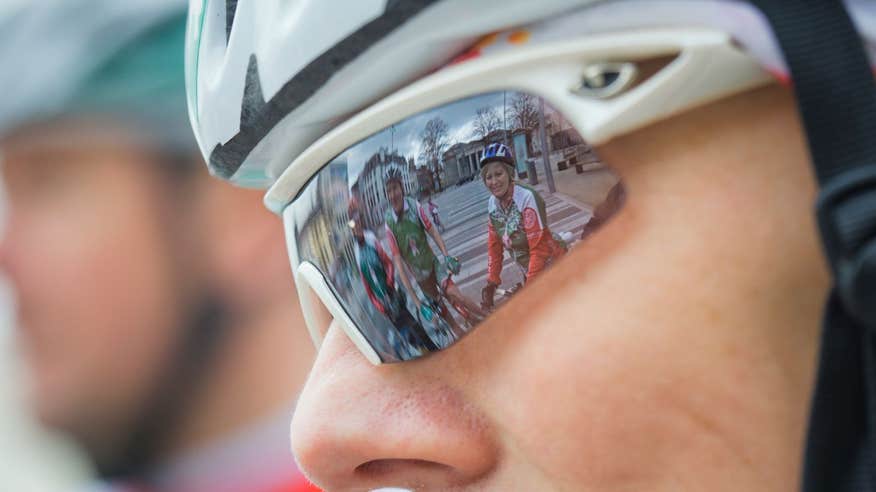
pixel 495 166
pixel 50 159
pixel 72 143
pixel 71 135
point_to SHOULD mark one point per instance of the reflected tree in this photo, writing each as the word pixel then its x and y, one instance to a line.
pixel 486 120
pixel 523 111
pixel 434 140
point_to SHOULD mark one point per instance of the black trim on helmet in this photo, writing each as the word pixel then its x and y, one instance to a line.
pixel 834 87
pixel 226 159
pixel 230 10
pixel 253 97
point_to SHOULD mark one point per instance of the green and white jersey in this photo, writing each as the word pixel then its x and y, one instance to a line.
pixel 407 236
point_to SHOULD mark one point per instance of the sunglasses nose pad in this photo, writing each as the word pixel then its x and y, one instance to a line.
pixel 320 308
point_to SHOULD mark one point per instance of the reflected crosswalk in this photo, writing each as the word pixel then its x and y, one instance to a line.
pixel 463 211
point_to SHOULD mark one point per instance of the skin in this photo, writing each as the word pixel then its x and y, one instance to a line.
pixel 396 196
pixel 104 279
pixel 499 182
pixel 679 356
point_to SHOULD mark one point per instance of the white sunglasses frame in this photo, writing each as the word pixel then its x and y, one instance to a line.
pixel 707 66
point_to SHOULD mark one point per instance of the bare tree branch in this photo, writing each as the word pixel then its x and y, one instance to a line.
pixel 523 111
pixel 434 140
pixel 486 120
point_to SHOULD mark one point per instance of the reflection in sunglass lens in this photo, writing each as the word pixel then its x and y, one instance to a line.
pixel 427 227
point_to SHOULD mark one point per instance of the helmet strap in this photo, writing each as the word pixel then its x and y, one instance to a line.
pixel 836 96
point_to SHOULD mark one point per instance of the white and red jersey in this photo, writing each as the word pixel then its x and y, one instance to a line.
pixel 521 227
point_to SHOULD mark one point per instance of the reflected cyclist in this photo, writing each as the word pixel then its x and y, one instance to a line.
pixel 407 226
pixel 517 222
pixel 433 210
pixel 377 271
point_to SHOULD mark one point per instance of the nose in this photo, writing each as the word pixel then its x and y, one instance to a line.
pixel 360 427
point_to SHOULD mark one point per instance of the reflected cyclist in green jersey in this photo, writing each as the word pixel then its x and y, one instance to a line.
pixel 407 226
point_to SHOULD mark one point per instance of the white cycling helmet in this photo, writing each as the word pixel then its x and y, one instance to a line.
pixel 266 78
pixel 97 57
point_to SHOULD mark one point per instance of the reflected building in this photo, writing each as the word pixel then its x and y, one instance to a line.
pixel 462 159
pixel 325 233
pixel 565 148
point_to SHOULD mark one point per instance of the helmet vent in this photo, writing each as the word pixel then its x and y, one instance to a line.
pixel 605 80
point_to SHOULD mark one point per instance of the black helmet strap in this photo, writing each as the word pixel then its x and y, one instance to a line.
pixel 836 97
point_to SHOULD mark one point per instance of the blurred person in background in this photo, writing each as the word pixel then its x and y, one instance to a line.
pixel 156 317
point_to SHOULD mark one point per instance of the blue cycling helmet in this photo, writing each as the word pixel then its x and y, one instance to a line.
pixel 497 152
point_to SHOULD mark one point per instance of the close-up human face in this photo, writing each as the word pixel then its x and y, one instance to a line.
pixel 653 378
pixel 85 249
pixel 497 179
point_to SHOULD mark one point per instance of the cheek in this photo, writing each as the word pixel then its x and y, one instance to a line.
pixel 639 377
pixel 93 293
pixel 584 379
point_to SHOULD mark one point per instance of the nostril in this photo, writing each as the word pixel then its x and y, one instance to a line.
pixel 376 469
pixel 409 474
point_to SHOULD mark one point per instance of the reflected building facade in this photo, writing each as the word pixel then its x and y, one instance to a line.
pixel 462 159
pixel 326 231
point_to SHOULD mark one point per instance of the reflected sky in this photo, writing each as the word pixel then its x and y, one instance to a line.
pixel 405 136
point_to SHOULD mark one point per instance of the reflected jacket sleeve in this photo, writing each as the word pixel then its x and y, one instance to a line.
pixel 538 236
pixel 387 265
pixel 373 298
pixel 494 255
pixel 390 238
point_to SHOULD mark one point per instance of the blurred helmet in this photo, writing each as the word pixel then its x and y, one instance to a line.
pixel 97 57
pixel 123 63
